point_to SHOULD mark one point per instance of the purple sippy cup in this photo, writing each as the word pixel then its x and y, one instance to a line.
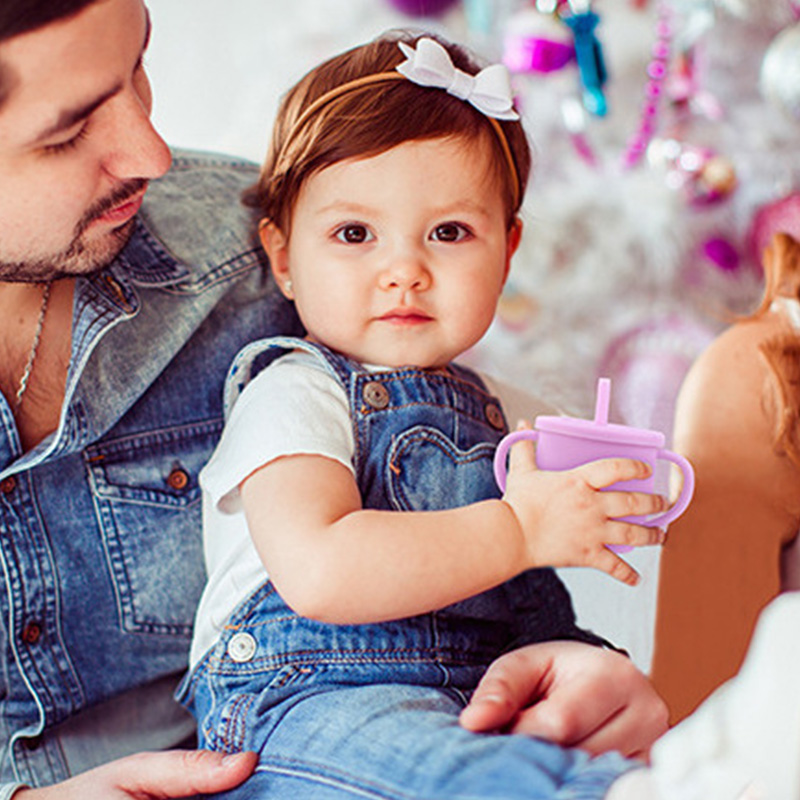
pixel 565 442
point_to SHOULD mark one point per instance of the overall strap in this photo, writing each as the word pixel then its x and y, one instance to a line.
pixel 257 355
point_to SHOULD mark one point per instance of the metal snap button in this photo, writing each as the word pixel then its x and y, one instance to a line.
pixel 376 395
pixel 7 485
pixel 242 647
pixel 31 633
pixel 178 479
pixel 494 416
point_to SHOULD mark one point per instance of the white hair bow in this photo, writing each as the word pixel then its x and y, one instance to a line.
pixel 430 65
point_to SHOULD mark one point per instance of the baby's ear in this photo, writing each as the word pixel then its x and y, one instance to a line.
pixel 512 242
pixel 276 246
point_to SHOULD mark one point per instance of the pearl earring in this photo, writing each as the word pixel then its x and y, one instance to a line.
pixel 287 286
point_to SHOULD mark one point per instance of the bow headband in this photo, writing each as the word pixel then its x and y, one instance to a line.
pixel 430 65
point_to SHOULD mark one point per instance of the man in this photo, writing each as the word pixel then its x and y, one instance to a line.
pixel 121 304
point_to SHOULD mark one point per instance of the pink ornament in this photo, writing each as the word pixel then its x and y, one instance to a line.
pixel 422 8
pixel 647 365
pixel 780 216
pixel 536 42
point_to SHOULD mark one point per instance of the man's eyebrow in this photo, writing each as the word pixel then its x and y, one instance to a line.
pixel 72 116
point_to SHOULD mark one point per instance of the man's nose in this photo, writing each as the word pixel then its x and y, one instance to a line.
pixel 136 150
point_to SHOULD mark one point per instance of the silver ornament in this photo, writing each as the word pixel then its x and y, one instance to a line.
pixel 780 71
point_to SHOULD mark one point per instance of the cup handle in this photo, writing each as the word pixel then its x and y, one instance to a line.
pixel 501 454
pixel 686 492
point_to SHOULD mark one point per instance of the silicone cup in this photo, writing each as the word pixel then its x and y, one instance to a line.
pixel 564 443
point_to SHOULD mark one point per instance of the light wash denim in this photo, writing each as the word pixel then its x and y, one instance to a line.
pixel 371 711
pixel 101 549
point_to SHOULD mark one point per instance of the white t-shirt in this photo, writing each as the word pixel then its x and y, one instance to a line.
pixel 295 406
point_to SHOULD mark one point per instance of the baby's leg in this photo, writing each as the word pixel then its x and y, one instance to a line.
pixel 399 742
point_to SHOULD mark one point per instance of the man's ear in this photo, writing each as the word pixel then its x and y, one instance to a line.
pixel 276 246
pixel 513 239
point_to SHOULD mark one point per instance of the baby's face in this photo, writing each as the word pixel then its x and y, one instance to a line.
pixel 399 259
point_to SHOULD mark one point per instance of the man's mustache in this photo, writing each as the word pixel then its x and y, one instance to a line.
pixel 118 196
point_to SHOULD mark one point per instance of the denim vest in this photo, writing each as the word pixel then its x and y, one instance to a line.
pixel 101 550
pixel 424 440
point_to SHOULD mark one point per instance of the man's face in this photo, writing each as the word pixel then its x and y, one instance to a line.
pixel 76 144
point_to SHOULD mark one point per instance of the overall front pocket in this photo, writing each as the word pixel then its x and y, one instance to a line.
pixel 426 471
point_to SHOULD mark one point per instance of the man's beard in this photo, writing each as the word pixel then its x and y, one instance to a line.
pixel 79 257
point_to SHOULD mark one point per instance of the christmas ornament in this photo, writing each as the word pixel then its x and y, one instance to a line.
pixel 780 72
pixel 536 42
pixel 556 33
pixel 647 365
pixel 422 8
pixel 516 310
pixel 719 252
pixel 782 215
pixel 582 21
pixel 703 175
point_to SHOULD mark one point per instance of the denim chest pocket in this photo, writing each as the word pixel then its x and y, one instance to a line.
pixel 148 504
pixel 426 471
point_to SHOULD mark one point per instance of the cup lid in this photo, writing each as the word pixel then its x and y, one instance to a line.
pixel 605 432
pixel 599 428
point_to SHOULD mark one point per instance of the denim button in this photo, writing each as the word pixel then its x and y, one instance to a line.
pixel 7 485
pixel 494 416
pixel 376 395
pixel 177 479
pixel 242 647
pixel 31 633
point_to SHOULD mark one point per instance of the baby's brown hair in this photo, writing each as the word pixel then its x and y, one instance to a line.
pixel 370 118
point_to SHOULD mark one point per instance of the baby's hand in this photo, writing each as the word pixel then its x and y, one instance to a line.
pixel 567 521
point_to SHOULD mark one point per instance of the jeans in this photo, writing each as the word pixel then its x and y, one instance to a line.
pixel 368 712
pixel 397 742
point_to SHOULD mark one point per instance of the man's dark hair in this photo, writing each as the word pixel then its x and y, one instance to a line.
pixel 22 16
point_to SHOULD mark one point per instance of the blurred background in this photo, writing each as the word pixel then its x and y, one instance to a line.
pixel 667 152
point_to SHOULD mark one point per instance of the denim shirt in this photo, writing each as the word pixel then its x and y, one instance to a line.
pixel 101 551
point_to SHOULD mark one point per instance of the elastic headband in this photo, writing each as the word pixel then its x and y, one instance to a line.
pixel 489 91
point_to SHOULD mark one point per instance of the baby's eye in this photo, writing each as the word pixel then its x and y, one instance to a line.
pixel 450 232
pixel 354 233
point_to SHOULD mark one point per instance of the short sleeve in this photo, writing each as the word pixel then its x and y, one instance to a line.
pixel 293 407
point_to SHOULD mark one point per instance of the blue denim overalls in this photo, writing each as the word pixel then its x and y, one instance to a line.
pixel 371 710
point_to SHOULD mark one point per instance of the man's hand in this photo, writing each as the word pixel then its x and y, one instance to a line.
pixel 571 693
pixel 152 776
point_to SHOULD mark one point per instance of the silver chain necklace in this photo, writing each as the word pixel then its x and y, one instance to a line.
pixel 26 373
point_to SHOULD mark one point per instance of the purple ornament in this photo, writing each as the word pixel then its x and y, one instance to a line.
pixel 721 253
pixel 422 8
